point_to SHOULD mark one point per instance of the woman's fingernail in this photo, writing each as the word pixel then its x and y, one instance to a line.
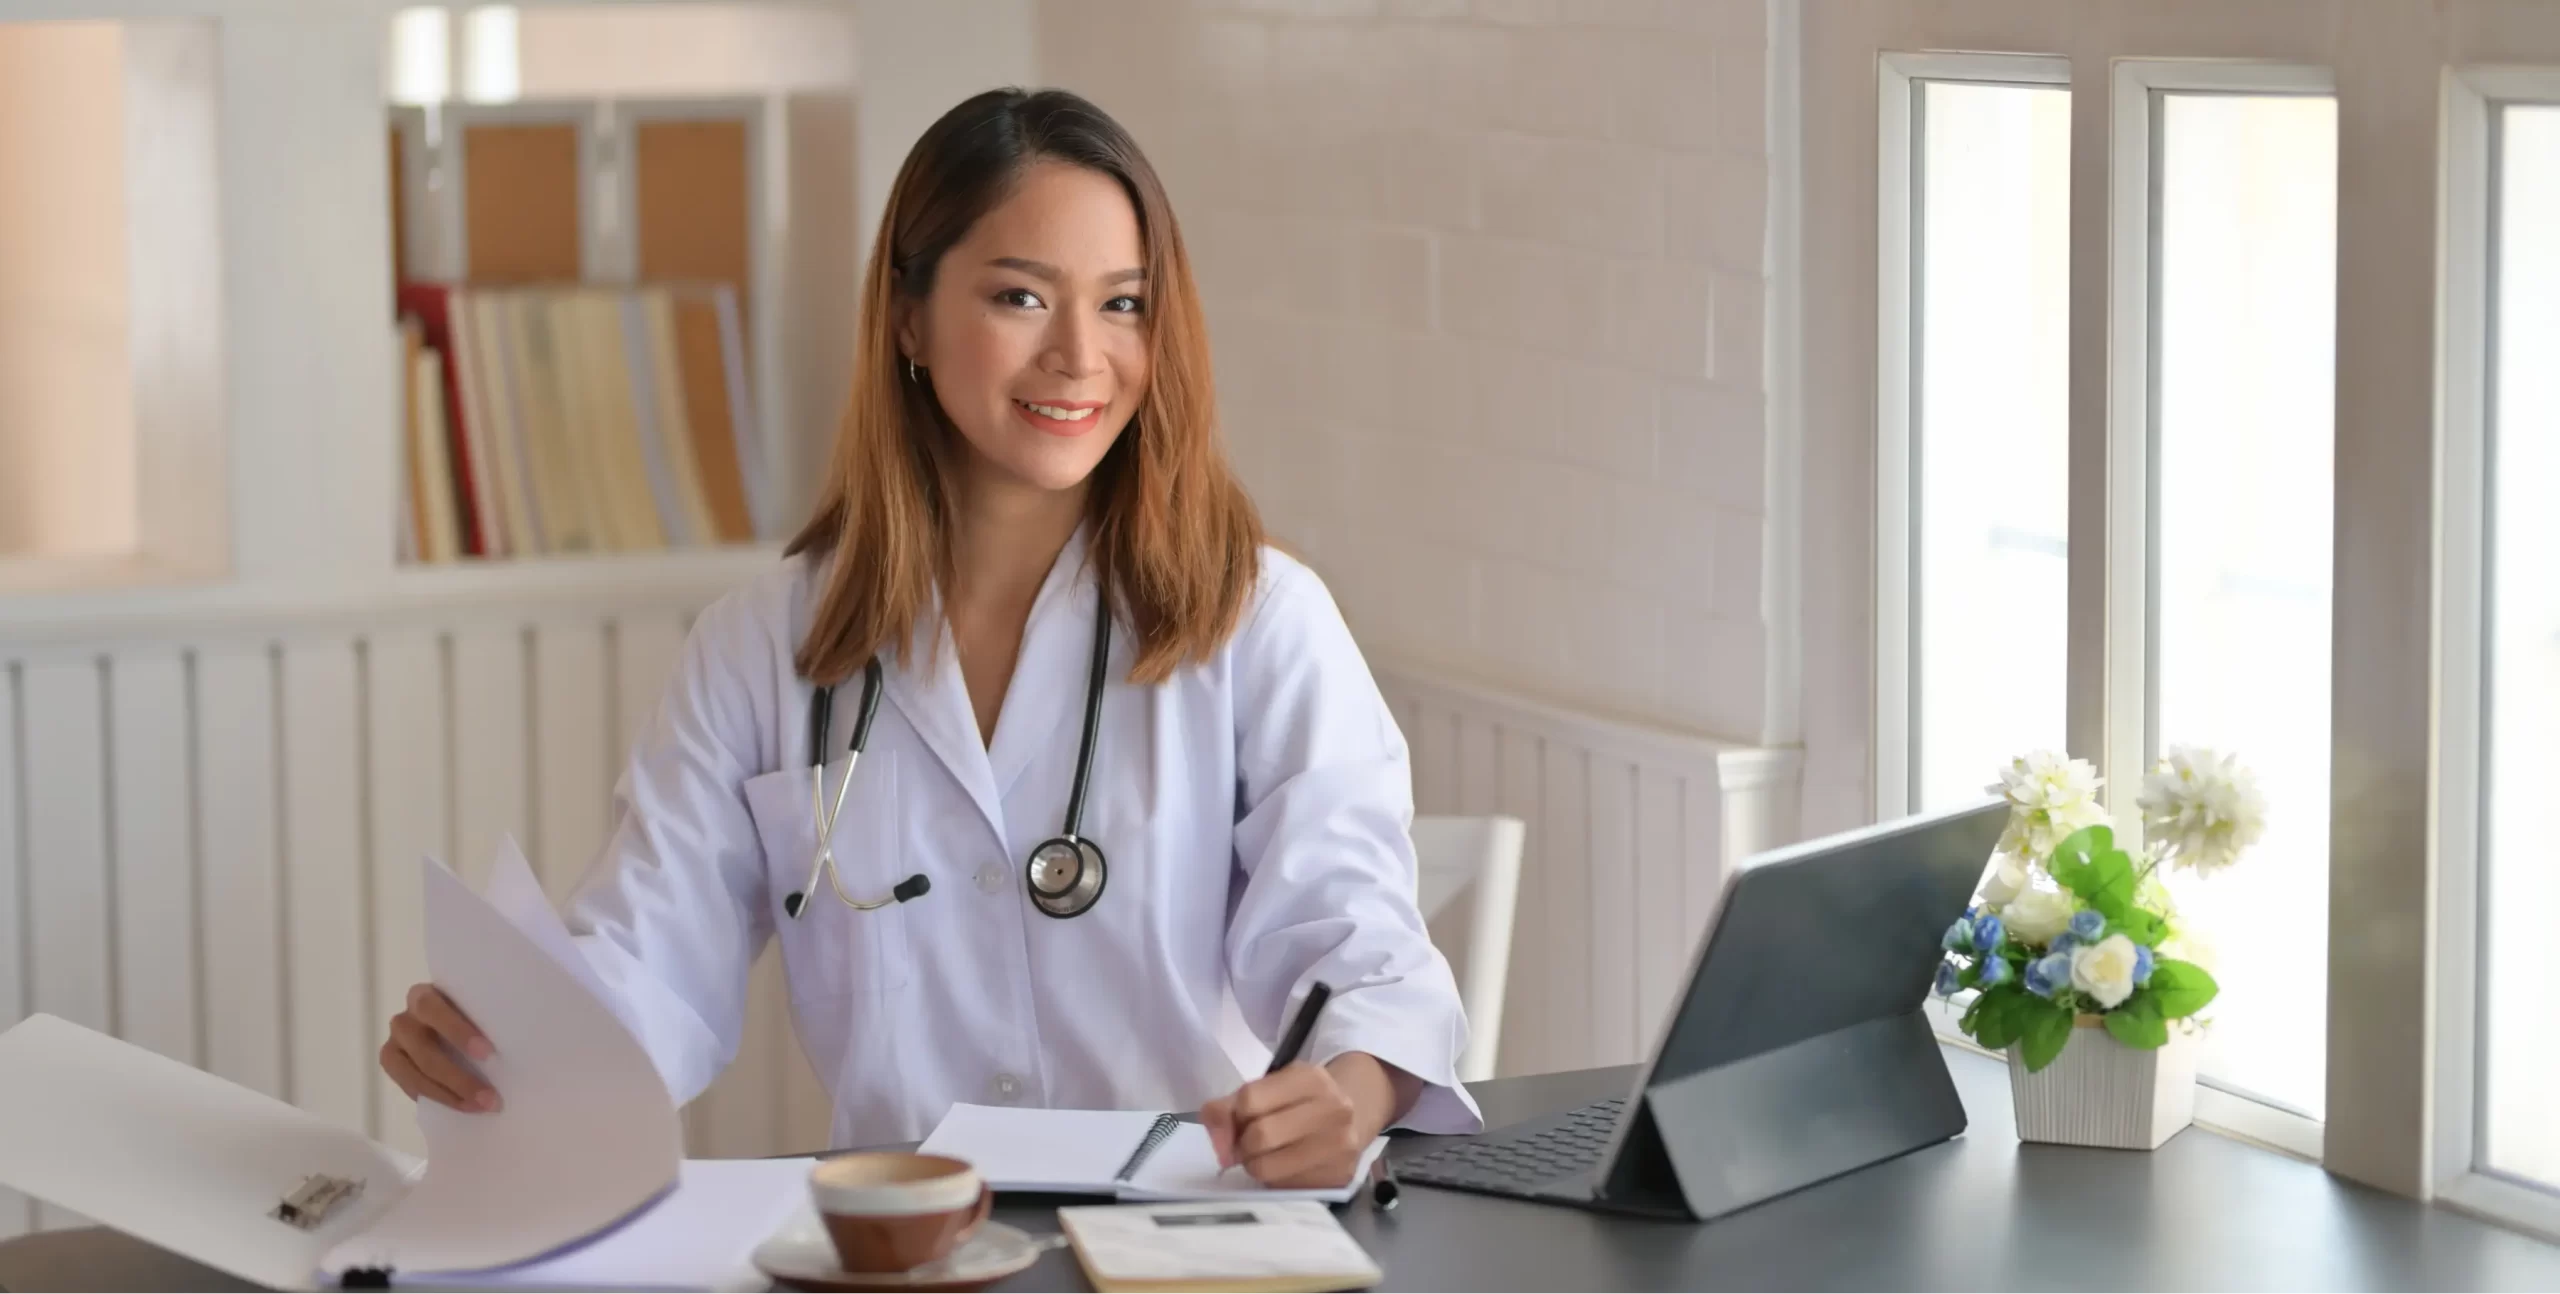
pixel 481 1050
pixel 487 1102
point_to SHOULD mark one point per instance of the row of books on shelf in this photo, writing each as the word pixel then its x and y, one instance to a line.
pixel 575 419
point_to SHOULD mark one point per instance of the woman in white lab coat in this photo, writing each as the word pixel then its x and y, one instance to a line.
pixel 1031 439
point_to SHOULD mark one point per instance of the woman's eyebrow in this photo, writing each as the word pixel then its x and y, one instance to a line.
pixel 1050 273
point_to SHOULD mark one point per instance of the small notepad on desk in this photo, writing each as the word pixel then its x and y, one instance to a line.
pixel 1125 1154
pixel 1217 1245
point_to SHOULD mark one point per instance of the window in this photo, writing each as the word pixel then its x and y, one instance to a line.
pixel 2278 279
pixel 2519 961
pixel 1982 487
pixel 2244 191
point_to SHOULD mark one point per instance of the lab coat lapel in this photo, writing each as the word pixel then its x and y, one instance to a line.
pixel 1044 705
pixel 927 688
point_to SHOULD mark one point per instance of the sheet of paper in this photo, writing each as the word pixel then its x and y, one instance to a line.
pixel 1015 1149
pixel 701 1237
pixel 1283 1244
pixel 1185 1167
pixel 588 1134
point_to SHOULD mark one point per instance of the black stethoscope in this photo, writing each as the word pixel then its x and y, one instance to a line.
pixel 1065 874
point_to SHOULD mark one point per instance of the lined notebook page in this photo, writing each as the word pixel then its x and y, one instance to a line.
pixel 1079 1152
pixel 1185 1167
pixel 1065 1151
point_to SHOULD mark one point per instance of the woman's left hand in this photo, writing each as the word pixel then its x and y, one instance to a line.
pixel 1307 1126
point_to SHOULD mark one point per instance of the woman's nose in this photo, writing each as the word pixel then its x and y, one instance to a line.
pixel 1075 346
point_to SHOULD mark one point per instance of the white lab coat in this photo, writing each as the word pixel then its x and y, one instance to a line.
pixel 1255 810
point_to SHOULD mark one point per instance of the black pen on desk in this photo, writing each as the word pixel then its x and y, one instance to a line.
pixel 1383 1190
pixel 1304 1024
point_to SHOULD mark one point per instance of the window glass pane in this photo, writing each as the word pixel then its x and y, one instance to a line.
pixel 2521 961
pixel 1991 441
pixel 2246 275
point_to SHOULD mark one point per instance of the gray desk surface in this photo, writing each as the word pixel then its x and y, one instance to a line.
pixel 1980 1212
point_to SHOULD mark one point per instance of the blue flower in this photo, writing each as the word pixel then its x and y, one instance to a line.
pixel 2063 944
pixel 1986 934
pixel 2088 924
pixel 1994 973
pixel 2049 974
pixel 1959 937
pixel 2141 965
pixel 1947 985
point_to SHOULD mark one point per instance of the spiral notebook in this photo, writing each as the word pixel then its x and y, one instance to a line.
pixel 1126 1154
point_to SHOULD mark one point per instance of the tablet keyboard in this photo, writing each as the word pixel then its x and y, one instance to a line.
pixel 1516 1161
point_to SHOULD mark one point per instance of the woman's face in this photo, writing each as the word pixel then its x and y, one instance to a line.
pixel 1034 337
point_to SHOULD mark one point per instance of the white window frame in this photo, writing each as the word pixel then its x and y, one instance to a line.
pixel 2126 442
pixel 2126 564
pixel 2472 98
pixel 1900 79
pixel 2129 440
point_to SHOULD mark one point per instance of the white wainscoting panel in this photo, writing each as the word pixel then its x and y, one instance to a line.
pixel 17 1213
pixel 211 821
pixel 239 767
pixel 154 882
pixel 1630 831
pixel 330 1034
pixel 409 792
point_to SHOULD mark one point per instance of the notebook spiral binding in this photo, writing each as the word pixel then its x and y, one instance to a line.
pixel 1156 1133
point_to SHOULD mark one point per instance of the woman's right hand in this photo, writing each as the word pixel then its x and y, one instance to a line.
pixel 416 1058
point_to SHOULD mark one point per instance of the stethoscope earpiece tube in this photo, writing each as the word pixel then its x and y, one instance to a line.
pixel 1065 874
pixel 821 715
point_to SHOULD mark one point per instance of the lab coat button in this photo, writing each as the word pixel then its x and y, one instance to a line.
pixel 991 878
pixel 1007 1087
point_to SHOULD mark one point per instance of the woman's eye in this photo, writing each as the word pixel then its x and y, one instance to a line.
pixel 1018 298
pixel 1125 305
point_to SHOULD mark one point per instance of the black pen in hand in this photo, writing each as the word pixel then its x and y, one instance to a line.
pixel 1300 1027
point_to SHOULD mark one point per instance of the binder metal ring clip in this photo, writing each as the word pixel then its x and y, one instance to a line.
pixel 311 1203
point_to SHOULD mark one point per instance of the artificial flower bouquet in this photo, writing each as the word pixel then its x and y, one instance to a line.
pixel 2069 925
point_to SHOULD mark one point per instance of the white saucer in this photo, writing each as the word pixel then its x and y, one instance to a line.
pixel 803 1257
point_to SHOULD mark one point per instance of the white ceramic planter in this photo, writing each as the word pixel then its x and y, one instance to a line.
pixel 2099 1092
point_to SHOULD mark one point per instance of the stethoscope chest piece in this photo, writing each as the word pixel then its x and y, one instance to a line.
pixel 1066 875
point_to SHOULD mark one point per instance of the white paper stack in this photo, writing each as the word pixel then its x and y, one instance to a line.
pixel 580 1179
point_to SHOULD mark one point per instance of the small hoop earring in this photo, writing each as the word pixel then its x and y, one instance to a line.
pixel 914 374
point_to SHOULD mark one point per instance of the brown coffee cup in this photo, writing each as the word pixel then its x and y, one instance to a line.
pixel 891 1210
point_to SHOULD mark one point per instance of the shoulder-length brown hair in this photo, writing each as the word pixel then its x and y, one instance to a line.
pixel 1176 542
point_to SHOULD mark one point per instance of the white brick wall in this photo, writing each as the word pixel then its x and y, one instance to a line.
pixel 1486 285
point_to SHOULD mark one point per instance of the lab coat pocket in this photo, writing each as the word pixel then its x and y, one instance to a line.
pixel 832 950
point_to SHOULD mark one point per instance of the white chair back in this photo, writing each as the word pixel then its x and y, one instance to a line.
pixel 1468 889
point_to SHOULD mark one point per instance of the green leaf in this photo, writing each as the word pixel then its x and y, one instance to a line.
pixel 2085 843
pixel 2047 1031
pixel 2144 928
pixel 2181 988
pixel 1996 1022
pixel 2102 877
pixel 2137 1023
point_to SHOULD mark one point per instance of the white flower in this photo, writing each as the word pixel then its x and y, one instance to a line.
pixel 2006 879
pixel 2201 809
pixel 2049 798
pixel 2188 945
pixel 2104 970
pixel 2036 916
